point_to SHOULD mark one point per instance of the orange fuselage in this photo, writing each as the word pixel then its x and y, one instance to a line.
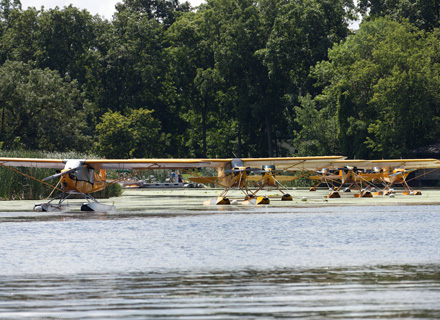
pixel 71 183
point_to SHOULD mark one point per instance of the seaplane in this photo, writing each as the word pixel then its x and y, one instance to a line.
pixel 350 174
pixel 395 172
pixel 268 176
pixel 238 172
pixel 85 176
pixel 366 175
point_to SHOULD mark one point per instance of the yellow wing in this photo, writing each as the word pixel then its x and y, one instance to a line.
pixel 407 163
pixel 155 163
pixel 387 163
pixel 361 164
pixel 32 163
pixel 287 163
pixel 118 163
pixel 293 163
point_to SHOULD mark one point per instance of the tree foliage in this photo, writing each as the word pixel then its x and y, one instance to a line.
pixel 383 85
pixel 424 14
pixel 232 78
pixel 136 135
pixel 40 110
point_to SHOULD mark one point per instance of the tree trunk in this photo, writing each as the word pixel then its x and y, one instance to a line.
pixel 204 129
pixel 239 142
pixel 269 135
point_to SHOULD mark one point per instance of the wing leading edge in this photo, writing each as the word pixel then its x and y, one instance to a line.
pixel 32 163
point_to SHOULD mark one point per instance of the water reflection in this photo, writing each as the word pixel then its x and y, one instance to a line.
pixel 411 291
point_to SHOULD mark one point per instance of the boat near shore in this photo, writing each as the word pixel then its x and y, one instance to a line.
pixel 168 185
pixel 161 185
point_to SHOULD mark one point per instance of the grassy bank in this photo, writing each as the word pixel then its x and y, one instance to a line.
pixel 16 186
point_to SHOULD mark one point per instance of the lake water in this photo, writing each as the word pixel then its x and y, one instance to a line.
pixel 360 262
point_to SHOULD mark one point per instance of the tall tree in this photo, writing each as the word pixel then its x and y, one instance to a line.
pixel 235 32
pixel 20 36
pixel 6 6
pixel 163 11
pixel 302 34
pixel 40 110
pixel 382 87
pixel 137 134
pixel 198 87
pixel 128 64
pixel 65 38
pixel 424 14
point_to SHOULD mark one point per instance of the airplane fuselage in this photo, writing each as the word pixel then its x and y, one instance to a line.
pixel 83 180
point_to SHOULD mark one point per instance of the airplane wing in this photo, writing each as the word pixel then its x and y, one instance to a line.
pixel 388 163
pixel 32 163
pixel 288 163
pixel 117 163
pixel 361 164
pixel 293 163
pixel 407 163
pixel 155 163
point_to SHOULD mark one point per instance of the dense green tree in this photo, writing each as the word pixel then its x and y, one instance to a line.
pixel 56 39
pixel 6 7
pixel 40 110
pixel 20 37
pixel 128 63
pixel 238 43
pixel 65 39
pixel 424 14
pixel 232 78
pixel 302 34
pixel 163 11
pixel 230 33
pixel 319 129
pixel 382 85
pixel 197 88
pixel 136 135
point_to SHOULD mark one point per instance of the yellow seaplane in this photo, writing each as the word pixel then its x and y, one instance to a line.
pixel 367 175
pixel 350 174
pixel 235 173
pixel 395 172
pixel 86 176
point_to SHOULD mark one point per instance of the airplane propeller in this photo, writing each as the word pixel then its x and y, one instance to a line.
pixel 401 172
pixel 238 170
pixel 57 175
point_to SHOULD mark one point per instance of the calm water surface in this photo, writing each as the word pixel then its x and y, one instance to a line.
pixel 259 263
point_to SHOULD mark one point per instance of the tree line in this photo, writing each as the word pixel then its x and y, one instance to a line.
pixel 245 78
